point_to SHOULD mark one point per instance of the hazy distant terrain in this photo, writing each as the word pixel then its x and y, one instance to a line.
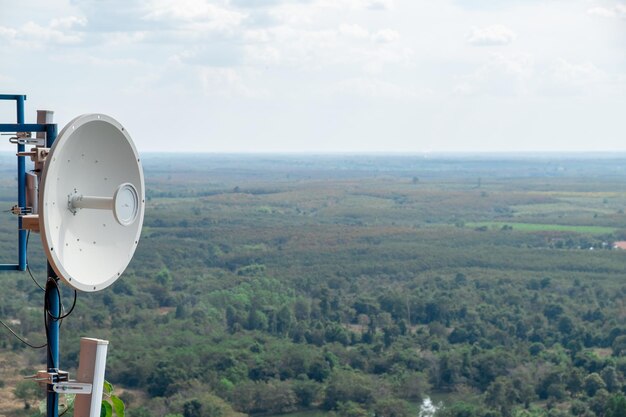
pixel 355 284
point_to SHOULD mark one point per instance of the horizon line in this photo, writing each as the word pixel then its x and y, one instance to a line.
pixel 606 153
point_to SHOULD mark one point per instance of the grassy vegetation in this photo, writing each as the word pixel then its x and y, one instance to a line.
pixel 539 227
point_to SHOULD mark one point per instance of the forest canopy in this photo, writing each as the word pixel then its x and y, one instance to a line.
pixel 358 286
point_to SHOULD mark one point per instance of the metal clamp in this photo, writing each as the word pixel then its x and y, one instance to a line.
pixel 50 378
pixel 26 138
pixel 21 211
pixel 59 381
pixel 37 155
pixel 72 388
pixel 16 140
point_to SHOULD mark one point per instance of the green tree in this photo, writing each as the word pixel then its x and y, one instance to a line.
pixel 611 379
pixel 616 406
pixel 257 320
pixel 411 386
pixel 284 320
pixel 164 378
pixel 566 325
pixel 306 391
pixel 599 401
pixel 593 382
pixel 351 409
pixel 461 409
pixel 499 395
pixel 164 277
pixel 302 309
pixel 619 345
pixel 344 386
pixel 139 412
pixel 192 408
pixel 392 408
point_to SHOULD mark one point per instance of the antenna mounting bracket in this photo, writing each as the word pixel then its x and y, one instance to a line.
pixel 59 381
pixel 50 377
pixel 72 387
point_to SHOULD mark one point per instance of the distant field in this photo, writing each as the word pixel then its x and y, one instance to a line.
pixel 537 227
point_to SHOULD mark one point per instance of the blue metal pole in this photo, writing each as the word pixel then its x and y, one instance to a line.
pixel 54 309
pixel 24 127
pixel 21 188
pixel 51 134
pixel 52 330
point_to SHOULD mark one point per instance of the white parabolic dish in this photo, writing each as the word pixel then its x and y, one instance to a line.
pixel 91 202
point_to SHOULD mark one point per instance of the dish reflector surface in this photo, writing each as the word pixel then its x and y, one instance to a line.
pixel 90 248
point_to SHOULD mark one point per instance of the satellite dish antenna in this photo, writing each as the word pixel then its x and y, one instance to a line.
pixel 91 202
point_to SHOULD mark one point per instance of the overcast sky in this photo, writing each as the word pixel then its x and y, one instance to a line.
pixel 327 75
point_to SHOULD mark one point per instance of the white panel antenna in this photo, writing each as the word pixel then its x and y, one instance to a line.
pixel 91 202
pixel 91 365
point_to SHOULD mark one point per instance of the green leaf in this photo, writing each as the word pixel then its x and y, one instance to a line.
pixel 106 410
pixel 108 388
pixel 118 405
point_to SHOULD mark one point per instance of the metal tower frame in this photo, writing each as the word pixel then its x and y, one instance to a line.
pixel 51 302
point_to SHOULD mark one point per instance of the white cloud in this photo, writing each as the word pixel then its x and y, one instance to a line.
pixel 370 5
pixel 379 4
pixel 59 31
pixel 121 39
pixel 7 33
pixel 229 83
pixel 69 22
pixel 347 46
pixel 386 35
pixel 202 13
pixel 361 57
pixel 373 88
pixel 490 36
pixel 566 78
pixel 617 11
pixel 263 55
pixel 358 32
pixel 521 75
pixel 601 12
pixel 575 73
pixel 354 31
pixel 212 54
pixel 501 75
pixel 256 36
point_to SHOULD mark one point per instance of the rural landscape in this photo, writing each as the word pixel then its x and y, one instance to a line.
pixel 488 285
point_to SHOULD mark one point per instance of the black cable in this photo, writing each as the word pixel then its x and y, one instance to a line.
pixel 62 316
pixel 45 322
pixel 28 266
pixel 33 278
pixel 20 339
pixel 48 314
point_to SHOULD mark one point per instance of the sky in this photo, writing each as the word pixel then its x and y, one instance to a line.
pixel 393 76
